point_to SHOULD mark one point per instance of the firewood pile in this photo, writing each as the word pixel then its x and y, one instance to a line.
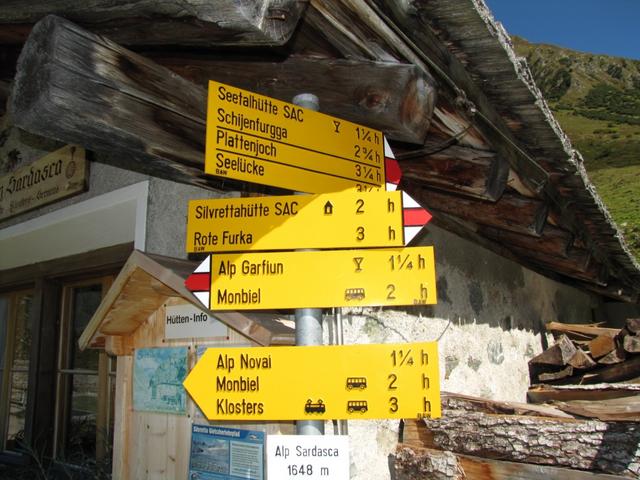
pixel 588 354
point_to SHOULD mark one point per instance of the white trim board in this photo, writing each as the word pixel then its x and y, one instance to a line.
pixel 113 218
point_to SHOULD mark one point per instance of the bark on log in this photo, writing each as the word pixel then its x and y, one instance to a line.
pixel 415 463
pixel 587 445
pixel 395 98
pixel 163 22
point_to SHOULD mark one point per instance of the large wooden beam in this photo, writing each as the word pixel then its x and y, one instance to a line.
pixel 362 29
pixel 553 240
pixel 596 446
pixel 461 170
pixel 395 98
pixel 82 88
pixel 416 463
pixel 163 22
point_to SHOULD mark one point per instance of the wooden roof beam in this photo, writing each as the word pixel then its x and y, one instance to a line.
pixel 82 88
pixel 164 22
pixel 512 212
pixel 395 98
pixel 461 170
pixel 431 50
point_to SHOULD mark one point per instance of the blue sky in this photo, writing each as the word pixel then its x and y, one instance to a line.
pixel 610 27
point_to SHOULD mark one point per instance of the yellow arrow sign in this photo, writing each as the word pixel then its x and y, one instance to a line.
pixel 335 220
pixel 314 383
pixel 316 279
pixel 254 138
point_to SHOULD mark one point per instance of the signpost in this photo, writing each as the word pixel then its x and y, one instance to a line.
pixel 254 138
pixel 317 383
pixel 312 457
pixel 316 279
pixel 334 220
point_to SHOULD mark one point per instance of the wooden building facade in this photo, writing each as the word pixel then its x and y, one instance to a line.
pixel 521 236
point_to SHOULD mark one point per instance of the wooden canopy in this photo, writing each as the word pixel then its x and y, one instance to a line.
pixel 477 144
pixel 144 283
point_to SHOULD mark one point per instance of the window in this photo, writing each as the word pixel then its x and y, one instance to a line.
pixel 83 426
pixel 15 352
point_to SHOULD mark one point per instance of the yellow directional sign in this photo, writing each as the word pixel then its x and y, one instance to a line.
pixel 315 383
pixel 336 220
pixel 254 138
pixel 316 279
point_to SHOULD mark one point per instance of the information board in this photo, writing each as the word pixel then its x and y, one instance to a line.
pixel 315 383
pixel 254 138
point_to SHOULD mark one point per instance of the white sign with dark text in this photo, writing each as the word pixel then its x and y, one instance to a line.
pixel 187 321
pixel 308 457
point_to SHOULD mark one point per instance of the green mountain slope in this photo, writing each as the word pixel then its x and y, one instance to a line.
pixel 596 99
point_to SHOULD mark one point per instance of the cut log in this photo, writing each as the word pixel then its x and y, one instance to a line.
pixel 511 212
pixel 617 355
pixel 559 354
pixel 461 170
pixel 550 376
pixel 395 98
pixel 631 344
pixel 633 325
pixel 593 445
pixel 416 463
pixel 163 22
pixel 602 391
pixel 581 360
pixel 458 401
pixel 625 409
pixel 627 370
pixel 602 345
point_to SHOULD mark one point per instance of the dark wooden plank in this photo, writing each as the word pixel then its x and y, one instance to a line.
pixel 553 240
pixel 512 212
pixel 163 22
pixel 462 170
pixel 395 98
pixel 42 392
pixel 104 260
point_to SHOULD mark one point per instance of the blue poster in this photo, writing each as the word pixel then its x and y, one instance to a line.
pixel 157 380
pixel 221 453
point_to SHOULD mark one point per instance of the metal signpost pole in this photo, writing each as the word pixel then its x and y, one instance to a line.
pixel 308 320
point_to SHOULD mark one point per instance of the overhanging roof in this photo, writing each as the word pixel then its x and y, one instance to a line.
pixel 491 162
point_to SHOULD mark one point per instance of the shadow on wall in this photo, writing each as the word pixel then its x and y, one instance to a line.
pixel 477 286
